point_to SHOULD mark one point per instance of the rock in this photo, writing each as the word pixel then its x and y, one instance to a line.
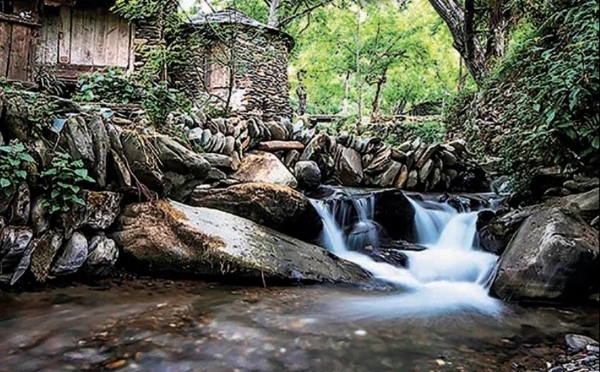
pixel 413 179
pixel 350 168
pixel 261 166
pixel 398 155
pixel 395 213
pixel 275 206
pixel 102 256
pixel 318 144
pixel 176 158
pixel 39 217
pixel 425 171
pixel 220 161
pixel 380 162
pixel 273 146
pixel 175 238
pixel 448 158
pixel 14 242
pixel 73 256
pixel 21 205
pixel 79 140
pixel 215 175
pixel 101 145
pixel 291 158
pixel 588 203
pixel 46 247
pixel 16 118
pixel 402 177
pixel 102 208
pixel 550 259
pixel 120 167
pixel 308 174
pixel 547 178
pixel 387 178
pixel 577 343
pixel 278 133
pixel 142 161
pixel 426 156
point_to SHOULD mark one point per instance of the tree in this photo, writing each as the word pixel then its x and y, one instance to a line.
pixel 463 24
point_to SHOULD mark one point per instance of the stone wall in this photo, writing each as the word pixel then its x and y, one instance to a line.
pixel 259 59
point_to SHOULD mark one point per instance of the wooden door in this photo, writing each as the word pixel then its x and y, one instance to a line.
pixel 16 44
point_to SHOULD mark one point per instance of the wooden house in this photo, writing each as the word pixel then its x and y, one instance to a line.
pixel 70 36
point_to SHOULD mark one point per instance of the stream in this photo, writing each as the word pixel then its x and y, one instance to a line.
pixel 433 315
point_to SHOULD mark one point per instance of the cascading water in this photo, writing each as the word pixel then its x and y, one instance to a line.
pixel 452 273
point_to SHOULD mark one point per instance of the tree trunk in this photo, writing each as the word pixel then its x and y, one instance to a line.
pixel 274 13
pixel 498 27
pixel 377 100
pixel 466 42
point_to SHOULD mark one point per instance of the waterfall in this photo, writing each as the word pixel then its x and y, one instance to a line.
pixel 452 273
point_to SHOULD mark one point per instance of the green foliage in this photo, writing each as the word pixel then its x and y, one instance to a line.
pixel 63 181
pixel 159 100
pixel 544 95
pixel 13 169
pixel 111 85
pixel 410 44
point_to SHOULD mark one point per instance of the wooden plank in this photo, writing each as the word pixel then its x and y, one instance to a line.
pixel 99 45
pixel 280 145
pixel 18 66
pixel 5 37
pixel 123 42
pixel 16 19
pixel 49 38
pixel 64 29
pixel 112 39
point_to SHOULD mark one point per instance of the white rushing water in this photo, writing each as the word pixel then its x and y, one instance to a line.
pixel 451 274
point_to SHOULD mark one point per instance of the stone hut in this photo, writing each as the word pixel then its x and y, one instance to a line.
pixel 241 64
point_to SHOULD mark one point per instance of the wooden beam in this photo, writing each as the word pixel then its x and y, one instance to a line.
pixel 280 145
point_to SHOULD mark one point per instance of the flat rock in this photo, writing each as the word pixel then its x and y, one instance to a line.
pixel 172 237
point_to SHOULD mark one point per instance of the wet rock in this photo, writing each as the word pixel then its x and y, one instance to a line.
pixel 264 167
pixel 46 247
pixel 550 259
pixel 350 167
pixel 395 213
pixel 102 256
pixel 73 256
pixel 577 343
pixel 275 206
pixel 588 203
pixel 172 237
pixel 308 174
pixel 413 179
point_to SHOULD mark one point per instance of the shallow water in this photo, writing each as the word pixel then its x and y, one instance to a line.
pixel 190 326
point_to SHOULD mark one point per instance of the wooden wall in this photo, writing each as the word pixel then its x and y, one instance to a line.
pixel 16 43
pixel 79 39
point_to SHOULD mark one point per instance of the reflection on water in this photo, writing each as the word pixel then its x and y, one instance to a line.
pixel 192 327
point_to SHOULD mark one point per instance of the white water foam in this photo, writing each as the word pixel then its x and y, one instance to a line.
pixel 451 274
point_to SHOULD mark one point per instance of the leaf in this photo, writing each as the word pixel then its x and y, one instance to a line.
pixel 21 174
pixel 596 143
pixel 83 173
pixel 27 158
pixel 536 107
pixel 4 182
pixel 79 201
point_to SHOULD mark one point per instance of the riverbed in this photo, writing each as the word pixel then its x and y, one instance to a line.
pixel 162 325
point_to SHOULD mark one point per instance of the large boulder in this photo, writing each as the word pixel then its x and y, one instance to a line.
pixel 261 166
pixel 550 259
pixel 278 207
pixel 169 237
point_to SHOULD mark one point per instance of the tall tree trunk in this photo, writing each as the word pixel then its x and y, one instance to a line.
pixel 498 27
pixel 466 42
pixel 377 100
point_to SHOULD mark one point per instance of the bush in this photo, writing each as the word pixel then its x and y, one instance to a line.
pixel 111 85
pixel 13 167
